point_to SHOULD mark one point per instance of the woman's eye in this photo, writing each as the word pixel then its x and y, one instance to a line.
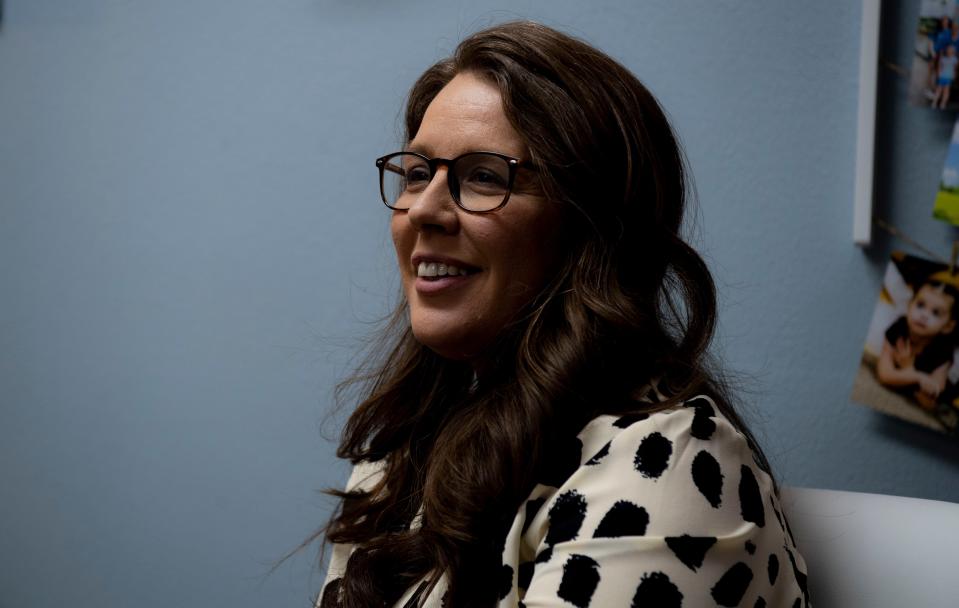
pixel 486 178
pixel 417 176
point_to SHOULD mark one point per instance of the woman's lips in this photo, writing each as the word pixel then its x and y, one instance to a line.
pixel 438 285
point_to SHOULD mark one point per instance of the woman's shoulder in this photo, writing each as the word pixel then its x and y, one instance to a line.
pixel 698 417
pixel 677 493
pixel 688 449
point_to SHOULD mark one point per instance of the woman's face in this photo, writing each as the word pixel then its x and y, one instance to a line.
pixel 509 254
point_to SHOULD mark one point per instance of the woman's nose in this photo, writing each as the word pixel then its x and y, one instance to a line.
pixel 434 208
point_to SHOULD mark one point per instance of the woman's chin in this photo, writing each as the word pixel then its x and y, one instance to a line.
pixel 450 343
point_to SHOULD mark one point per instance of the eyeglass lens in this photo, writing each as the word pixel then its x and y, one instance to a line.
pixel 482 181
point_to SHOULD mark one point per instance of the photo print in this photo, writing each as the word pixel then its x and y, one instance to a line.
pixel 910 365
pixel 946 207
pixel 932 81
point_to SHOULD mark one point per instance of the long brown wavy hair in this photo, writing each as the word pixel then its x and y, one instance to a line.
pixel 631 302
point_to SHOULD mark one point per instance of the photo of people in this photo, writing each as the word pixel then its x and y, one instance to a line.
pixel 946 207
pixel 910 365
pixel 933 79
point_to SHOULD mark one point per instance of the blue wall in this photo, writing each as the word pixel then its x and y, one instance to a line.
pixel 191 246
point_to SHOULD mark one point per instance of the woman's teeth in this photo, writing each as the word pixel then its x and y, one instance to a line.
pixel 435 269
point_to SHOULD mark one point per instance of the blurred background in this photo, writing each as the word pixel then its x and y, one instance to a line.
pixel 192 248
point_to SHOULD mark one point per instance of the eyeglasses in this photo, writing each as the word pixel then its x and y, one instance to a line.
pixel 479 182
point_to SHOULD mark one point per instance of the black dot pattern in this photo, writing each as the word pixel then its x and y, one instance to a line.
pixel 703 425
pixel 623 519
pixel 655 589
pixel 652 455
pixel 708 477
pixel 638 520
pixel 691 550
pixel 772 568
pixel 505 581
pixel 565 517
pixel 731 587
pixel 750 499
pixel 580 577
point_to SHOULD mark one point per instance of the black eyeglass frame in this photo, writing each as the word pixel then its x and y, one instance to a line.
pixel 451 180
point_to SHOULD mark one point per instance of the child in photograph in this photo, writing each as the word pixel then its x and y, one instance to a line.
pixel 947 73
pixel 933 45
pixel 918 348
pixel 941 36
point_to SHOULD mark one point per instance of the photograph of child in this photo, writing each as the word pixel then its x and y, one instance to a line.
pixel 937 55
pixel 946 206
pixel 909 366
pixel 946 72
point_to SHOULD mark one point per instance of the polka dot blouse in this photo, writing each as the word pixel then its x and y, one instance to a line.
pixel 666 509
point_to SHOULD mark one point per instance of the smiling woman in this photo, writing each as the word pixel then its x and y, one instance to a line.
pixel 509 255
pixel 544 429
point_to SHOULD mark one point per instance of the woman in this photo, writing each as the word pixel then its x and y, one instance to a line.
pixel 542 429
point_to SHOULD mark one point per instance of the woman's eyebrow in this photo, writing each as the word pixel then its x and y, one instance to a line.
pixel 418 148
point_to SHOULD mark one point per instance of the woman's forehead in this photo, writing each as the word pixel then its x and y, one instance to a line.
pixel 466 115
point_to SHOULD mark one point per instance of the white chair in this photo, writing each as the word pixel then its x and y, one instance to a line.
pixel 876 551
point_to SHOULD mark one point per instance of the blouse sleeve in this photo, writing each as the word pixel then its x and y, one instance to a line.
pixel 672 511
pixel 363 477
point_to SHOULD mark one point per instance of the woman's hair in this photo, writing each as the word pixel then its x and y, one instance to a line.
pixel 631 303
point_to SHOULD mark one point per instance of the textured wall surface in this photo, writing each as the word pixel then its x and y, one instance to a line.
pixel 191 246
